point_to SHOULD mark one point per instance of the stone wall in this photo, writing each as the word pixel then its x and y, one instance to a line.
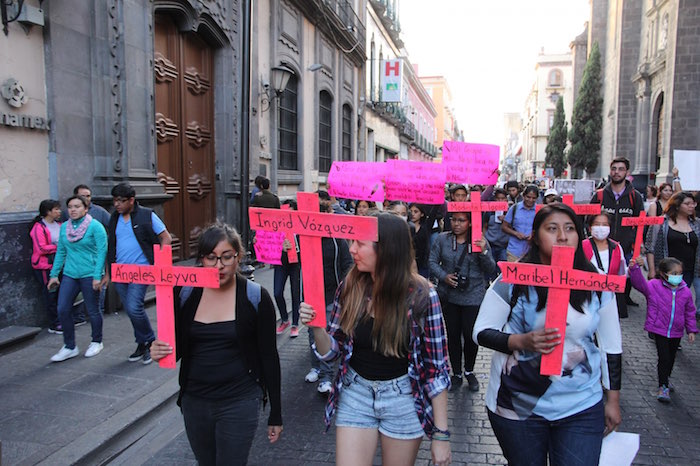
pixel 685 124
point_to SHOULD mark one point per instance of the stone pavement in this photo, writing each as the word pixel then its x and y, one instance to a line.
pixel 90 411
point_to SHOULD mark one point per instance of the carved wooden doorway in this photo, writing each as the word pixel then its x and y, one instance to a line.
pixel 184 124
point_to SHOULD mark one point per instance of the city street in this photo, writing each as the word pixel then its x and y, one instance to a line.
pixel 105 409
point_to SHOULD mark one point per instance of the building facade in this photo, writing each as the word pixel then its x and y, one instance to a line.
pixel 140 91
pixel 553 81
pixel 446 127
pixel 652 84
pixel 315 120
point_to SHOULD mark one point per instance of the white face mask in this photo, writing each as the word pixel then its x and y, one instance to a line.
pixel 600 232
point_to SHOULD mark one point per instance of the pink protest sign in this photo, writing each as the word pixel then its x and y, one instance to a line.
pixel 164 276
pixel 422 182
pixel 471 163
pixel 268 246
pixel 357 180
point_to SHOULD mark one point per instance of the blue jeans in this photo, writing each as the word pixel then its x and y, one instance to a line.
pixel 499 254
pixel 132 296
pixel 293 271
pixel 325 368
pixel 220 432
pixel 70 287
pixel 50 297
pixel 572 441
pixel 696 287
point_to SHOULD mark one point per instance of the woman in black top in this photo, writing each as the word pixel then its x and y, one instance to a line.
pixel 226 340
pixel 677 237
pixel 422 217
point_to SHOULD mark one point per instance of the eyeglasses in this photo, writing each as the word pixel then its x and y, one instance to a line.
pixel 459 220
pixel 120 200
pixel 226 259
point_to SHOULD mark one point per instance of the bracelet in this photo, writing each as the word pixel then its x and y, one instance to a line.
pixel 677 179
pixel 441 437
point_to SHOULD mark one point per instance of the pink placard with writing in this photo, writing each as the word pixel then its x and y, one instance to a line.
pixel 268 246
pixel 471 163
pixel 357 180
pixel 409 181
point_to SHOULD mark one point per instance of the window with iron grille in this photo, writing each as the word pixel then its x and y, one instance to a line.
pixel 346 154
pixel 325 105
pixel 287 126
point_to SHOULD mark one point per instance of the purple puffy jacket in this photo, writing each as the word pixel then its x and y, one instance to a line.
pixel 669 311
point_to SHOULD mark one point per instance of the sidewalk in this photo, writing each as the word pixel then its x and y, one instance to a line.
pixel 62 413
pixel 87 411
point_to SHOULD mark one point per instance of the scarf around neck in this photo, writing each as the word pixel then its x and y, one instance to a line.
pixel 76 233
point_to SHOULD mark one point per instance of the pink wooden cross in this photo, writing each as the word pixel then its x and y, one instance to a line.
pixel 476 207
pixel 580 209
pixel 638 223
pixel 312 225
pixel 560 277
pixel 164 276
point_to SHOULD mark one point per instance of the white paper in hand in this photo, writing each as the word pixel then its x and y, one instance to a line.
pixel 619 449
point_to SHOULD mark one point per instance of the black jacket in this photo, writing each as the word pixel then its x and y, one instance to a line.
pixel 258 342
pixel 630 204
pixel 336 264
pixel 143 230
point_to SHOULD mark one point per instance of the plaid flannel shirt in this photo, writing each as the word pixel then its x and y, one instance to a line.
pixel 428 366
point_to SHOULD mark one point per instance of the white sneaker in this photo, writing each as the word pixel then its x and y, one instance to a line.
pixel 312 376
pixel 65 353
pixel 324 387
pixel 94 349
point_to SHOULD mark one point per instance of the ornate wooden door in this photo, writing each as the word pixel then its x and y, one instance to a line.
pixel 184 132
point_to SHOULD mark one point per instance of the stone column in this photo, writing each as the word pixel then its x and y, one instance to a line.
pixel 642 160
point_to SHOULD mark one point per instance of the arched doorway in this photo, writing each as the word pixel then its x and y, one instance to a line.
pixel 184 109
pixel 657 130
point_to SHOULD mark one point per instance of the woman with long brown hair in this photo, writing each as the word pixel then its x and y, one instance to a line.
pixel 386 327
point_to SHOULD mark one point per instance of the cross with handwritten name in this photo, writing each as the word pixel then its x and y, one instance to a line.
pixel 311 225
pixel 560 278
pixel 165 276
pixel 476 207
pixel 579 209
pixel 638 223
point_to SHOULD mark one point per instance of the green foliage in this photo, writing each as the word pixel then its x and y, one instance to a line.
pixel 587 118
pixel 556 144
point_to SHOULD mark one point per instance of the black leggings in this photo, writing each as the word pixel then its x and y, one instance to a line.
pixel 666 349
pixel 460 324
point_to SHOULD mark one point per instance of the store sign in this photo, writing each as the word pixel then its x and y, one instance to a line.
pixel 15 96
pixel 391 80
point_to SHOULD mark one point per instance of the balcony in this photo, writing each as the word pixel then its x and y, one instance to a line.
pixel 390 111
pixel 338 20
pixel 407 130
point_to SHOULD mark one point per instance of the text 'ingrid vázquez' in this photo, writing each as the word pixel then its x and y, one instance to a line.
pixel 530 274
pixel 302 223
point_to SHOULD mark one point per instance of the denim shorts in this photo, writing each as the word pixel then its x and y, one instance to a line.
pixel 386 405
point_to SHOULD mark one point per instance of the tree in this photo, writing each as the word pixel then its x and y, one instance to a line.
pixel 587 118
pixel 557 141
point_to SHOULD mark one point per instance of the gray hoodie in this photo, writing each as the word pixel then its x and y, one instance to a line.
pixel 444 256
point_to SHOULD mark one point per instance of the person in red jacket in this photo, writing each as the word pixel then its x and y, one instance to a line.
pixel 44 233
pixel 606 254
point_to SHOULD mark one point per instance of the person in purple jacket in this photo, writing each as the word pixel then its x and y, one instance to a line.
pixel 670 312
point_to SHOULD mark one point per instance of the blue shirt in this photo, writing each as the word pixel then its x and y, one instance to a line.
pixel 128 249
pixel 522 222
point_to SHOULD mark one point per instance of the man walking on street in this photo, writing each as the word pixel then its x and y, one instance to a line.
pixel 266 198
pixel 132 232
pixel 621 200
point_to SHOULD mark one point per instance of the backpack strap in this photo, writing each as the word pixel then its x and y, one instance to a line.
pixel 253 292
pixel 599 194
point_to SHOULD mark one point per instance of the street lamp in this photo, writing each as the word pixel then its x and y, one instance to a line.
pixel 279 77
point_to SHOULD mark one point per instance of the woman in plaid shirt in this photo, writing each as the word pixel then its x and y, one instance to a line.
pixel 386 327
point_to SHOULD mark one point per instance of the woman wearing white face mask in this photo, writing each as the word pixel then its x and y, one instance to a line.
pixel 605 254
